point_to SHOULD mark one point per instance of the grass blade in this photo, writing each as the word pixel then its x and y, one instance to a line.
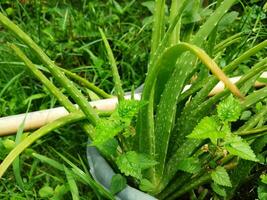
pixel 49 161
pixel 72 184
pixel 10 83
pixel 87 178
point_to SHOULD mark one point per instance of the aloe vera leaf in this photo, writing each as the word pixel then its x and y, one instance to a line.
pixel 165 72
pixel 175 36
pixel 81 80
pixel 60 77
pixel 211 81
pixel 87 84
pixel 163 44
pixel 145 124
pixel 182 178
pixel 212 22
pixel 54 90
pixel 72 117
pixel 187 149
pixel 167 59
pixel 114 68
pixel 188 59
pixel 183 151
pixel 167 106
pixel 202 108
pixel 255 97
pixel 228 41
pixel 158 25
pixel 191 185
pixel 253 121
pixel 207 87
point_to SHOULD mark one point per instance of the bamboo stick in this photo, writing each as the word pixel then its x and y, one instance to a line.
pixel 33 120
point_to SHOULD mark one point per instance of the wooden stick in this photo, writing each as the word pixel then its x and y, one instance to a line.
pixel 33 120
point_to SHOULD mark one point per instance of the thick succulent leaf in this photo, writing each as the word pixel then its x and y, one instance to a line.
pixel 229 110
pixel 221 177
pixel 132 163
pixel 189 165
pixel 208 127
pixel 239 147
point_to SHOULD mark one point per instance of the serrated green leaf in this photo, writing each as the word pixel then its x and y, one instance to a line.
pixel 109 147
pixel 150 5
pixel 264 178
pixel 146 185
pixel 245 115
pixel 229 109
pixel 227 20
pixel 235 145
pixel 127 109
pixel 60 191
pixel 190 165
pixel 262 192
pixel 191 13
pixel 218 189
pixel 118 183
pixel 221 177
pixel 207 128
pixel 132 163
pixel 106 129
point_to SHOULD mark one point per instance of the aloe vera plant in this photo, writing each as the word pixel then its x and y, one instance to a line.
pixel 171 142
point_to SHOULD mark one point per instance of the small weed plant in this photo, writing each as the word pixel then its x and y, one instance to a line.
pixel 174 143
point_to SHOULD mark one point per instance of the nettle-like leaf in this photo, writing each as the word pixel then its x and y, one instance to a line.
pixel 262 192
pixel 118 122
pixel 264 178
pixel 109 147
pixel 132 163
pixel 146 185
pixel 118 183
pixel 208 127
pixel 221 177
pixel 218 189
pixel 106 129
pixel 127 109
pixel 235 145
pixel 229 109
pixel 189 165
